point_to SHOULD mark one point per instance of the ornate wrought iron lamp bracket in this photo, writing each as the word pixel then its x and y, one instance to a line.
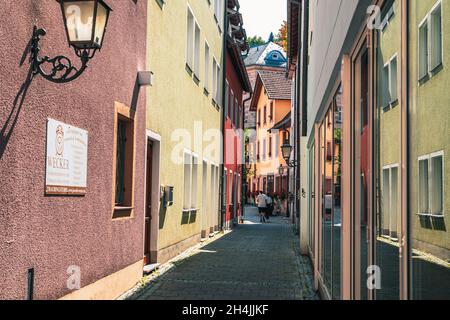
pixel 62 70
pixel 293 163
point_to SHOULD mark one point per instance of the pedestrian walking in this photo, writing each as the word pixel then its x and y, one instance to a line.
pixel 269 207
pixel 261 201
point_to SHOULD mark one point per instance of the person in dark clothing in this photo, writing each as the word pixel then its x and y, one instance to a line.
pixel 269 207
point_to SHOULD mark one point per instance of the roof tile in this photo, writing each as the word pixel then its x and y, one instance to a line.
pixel 277 85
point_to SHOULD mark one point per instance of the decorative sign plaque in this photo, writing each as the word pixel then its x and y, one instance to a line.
pixel 66 159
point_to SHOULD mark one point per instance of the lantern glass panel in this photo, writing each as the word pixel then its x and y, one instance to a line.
pixel 286 151
pixel 80 20
pixel 100 25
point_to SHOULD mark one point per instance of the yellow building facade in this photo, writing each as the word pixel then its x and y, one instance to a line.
pixel 184 52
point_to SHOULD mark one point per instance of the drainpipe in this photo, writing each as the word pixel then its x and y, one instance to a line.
pixel 304 69
pixel 298 121
pixel 302 93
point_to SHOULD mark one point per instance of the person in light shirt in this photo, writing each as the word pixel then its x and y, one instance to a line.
pixel 261 202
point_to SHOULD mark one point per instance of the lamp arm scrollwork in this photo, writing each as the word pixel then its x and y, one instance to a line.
pixel 62 69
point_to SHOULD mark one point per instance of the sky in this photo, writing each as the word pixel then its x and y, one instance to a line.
pixel 261 17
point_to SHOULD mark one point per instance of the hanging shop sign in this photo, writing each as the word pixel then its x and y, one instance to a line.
pixel 66 159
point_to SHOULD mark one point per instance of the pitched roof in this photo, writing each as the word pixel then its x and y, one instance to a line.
pixel 283 123
pixel 275 83
pixel 257 55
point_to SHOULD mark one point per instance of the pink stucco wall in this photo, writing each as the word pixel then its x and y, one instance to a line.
pixel 52 233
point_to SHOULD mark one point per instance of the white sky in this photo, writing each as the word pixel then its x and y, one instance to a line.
pixel 261 17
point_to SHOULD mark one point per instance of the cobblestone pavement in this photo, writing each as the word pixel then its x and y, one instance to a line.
pixel 255 261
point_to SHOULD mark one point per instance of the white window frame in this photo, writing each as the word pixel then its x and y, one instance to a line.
pixel 197 48
pixel 215 76
pixel 194 182
pixel 392 102
pixel 429 157
pixel 427 21
pixel 207 67
pixel 186 185
pixel 218 13
pixel 219 78
pixel 389 168
pixel 193 43
pixel 190 192
pixel 190 36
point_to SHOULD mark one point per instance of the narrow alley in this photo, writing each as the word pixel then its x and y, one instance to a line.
pixel 253 262
pixel 140 141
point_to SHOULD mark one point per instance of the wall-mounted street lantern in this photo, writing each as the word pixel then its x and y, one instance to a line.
pixel 286 150
pixel 85 22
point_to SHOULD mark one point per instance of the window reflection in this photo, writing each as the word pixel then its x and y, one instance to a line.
pixel 337 178
pixel 429 148
pixel 388 153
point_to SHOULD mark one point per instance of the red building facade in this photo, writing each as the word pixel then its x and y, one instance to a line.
pixel 236 84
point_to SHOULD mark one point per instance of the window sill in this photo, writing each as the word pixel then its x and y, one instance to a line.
pixel 188 69
pixel 196 79
pixel 436 69
pixel 431 215
pixel 123 212
pixel 424 79
pixel 160 3
pixel 431 74
pixel 391 105
pixel 192 210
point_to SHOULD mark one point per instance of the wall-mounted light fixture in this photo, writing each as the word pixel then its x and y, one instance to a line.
pixel 286 150
pixel 85 22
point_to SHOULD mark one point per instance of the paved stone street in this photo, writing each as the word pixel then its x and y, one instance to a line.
pixel 254 261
